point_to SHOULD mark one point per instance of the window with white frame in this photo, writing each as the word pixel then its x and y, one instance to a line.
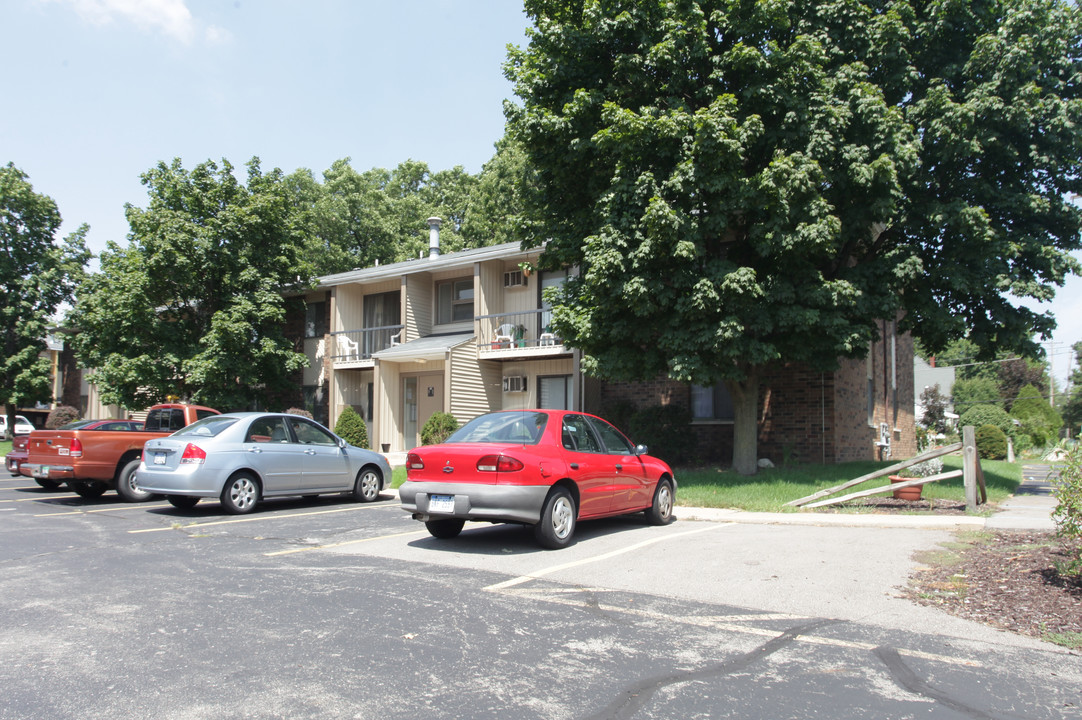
pixel 711 403
pixel 454 301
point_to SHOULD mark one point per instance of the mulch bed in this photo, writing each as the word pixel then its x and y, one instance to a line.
pixel 1004 579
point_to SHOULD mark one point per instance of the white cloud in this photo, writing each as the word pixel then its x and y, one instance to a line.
pixel 171 17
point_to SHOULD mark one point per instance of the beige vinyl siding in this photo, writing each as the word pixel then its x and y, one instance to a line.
pixel 388 408
pixel 312 375
pixel 490 290
pixel 531 370
pixel 475 384
pixel 419 305
pixel 347 306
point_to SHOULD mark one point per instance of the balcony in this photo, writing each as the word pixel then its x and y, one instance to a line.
pixel 354 348
pixel 517 335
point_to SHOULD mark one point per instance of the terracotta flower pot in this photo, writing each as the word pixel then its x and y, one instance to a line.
pixel 907 493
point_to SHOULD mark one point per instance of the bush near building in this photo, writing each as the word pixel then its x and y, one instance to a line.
pixel 351 428
pixel 991 442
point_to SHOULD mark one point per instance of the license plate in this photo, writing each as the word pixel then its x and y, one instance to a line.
pixel 159 458
pixel 42 472
pixel 63 452
pixel 441 503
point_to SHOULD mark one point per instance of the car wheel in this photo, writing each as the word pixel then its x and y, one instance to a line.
pixel 88 489
pixel 240 494
pixel 126 486
pixel 557 523
pixel 47 484
pixel 445 528
pixel 369 481
pixel 182 502
pixel 660 513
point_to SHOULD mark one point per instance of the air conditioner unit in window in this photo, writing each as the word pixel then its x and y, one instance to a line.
pixel 514 278
pixel 514 383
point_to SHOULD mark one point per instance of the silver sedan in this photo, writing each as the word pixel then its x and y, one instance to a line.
pixel 241 458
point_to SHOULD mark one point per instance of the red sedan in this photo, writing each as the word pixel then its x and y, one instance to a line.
pixel 545 468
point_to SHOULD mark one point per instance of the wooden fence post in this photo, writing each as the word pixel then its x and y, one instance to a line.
pixel 969 466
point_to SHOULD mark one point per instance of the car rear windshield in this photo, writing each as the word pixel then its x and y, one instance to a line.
pixel 521 428
pixel 208 427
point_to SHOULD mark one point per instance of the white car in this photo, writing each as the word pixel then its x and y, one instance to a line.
pixel 22 426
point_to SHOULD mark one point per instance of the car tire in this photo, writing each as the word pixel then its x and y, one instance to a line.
pixel 126 486
pixel 660 512
pixel 445 528
pixel 557 524
pixel 47 484
pixel 240 494
pixel 368 484
pixel 182 502
pixel 88 489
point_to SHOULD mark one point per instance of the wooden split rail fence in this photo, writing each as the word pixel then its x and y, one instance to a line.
pixel 971 474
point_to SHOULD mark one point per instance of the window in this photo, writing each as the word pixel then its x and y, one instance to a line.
pixel 315 319
pixel 268 429
pixel 554 392
pixel 549 279
pixel 454 301
pixel 578 436
pixel 311 434
pixel 615 443
pixel 711 403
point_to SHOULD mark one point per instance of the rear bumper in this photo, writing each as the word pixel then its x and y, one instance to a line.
pixel 47 472
pixel 496 503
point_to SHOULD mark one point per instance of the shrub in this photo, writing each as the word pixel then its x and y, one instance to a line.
pixel 1067 515
pixel 991 442
pixel 665 429
pixel 61 415
pixel 300 411
pixel 438 428
pixel 351 428
pixel 1036 417
pixel 979 415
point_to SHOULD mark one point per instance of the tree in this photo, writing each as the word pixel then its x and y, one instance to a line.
pixel 494 211
pixel 1014 375
pixel 37 275
pixel 193 307
pixel 749 184
pixel 1072 412
pixel 1036 417
pixel 976 391
pixel 935 409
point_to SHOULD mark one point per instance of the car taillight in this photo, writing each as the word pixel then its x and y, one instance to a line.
pixel 499 463
pixel 414 462
pixel 76 448
pixel 193 455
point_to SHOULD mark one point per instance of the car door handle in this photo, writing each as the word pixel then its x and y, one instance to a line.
pixel 254 450
pixel 619 467
pixel 574 466
pixel 309 452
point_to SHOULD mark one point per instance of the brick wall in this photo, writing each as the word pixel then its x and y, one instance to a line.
pixel 804 415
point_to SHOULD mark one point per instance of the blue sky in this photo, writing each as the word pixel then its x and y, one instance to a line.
pixel 99 91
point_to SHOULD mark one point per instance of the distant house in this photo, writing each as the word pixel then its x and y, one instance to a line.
pixel 469 332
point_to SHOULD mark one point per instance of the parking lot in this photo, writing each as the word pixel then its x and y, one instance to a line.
pixel 331 608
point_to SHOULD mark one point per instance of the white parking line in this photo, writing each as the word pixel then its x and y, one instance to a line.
pixel 597 558
pixel 268 516
pixel 114 508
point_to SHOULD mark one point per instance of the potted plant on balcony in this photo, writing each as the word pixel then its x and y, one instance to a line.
pixel 520 336
pixel 920 470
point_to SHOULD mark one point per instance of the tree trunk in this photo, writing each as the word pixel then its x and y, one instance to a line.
pixel 745 397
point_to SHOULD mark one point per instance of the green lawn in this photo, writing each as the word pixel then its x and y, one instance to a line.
pixel 770 489
pixel 5 447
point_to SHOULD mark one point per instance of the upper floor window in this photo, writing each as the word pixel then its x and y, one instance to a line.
pixel 454 301
pixel 315 319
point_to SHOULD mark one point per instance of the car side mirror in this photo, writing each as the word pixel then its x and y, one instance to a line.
pixel 641 450
pixel 342 444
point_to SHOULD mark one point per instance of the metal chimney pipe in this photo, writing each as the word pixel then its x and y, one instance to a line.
pixel 434 237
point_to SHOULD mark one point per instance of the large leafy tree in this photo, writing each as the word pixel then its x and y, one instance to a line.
pixel 357 218
pixel 744 184
pixel 38 274
pixel 193 306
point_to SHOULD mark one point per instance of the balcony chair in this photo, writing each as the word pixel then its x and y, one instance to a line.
pixel 505 334
pixel 349 349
